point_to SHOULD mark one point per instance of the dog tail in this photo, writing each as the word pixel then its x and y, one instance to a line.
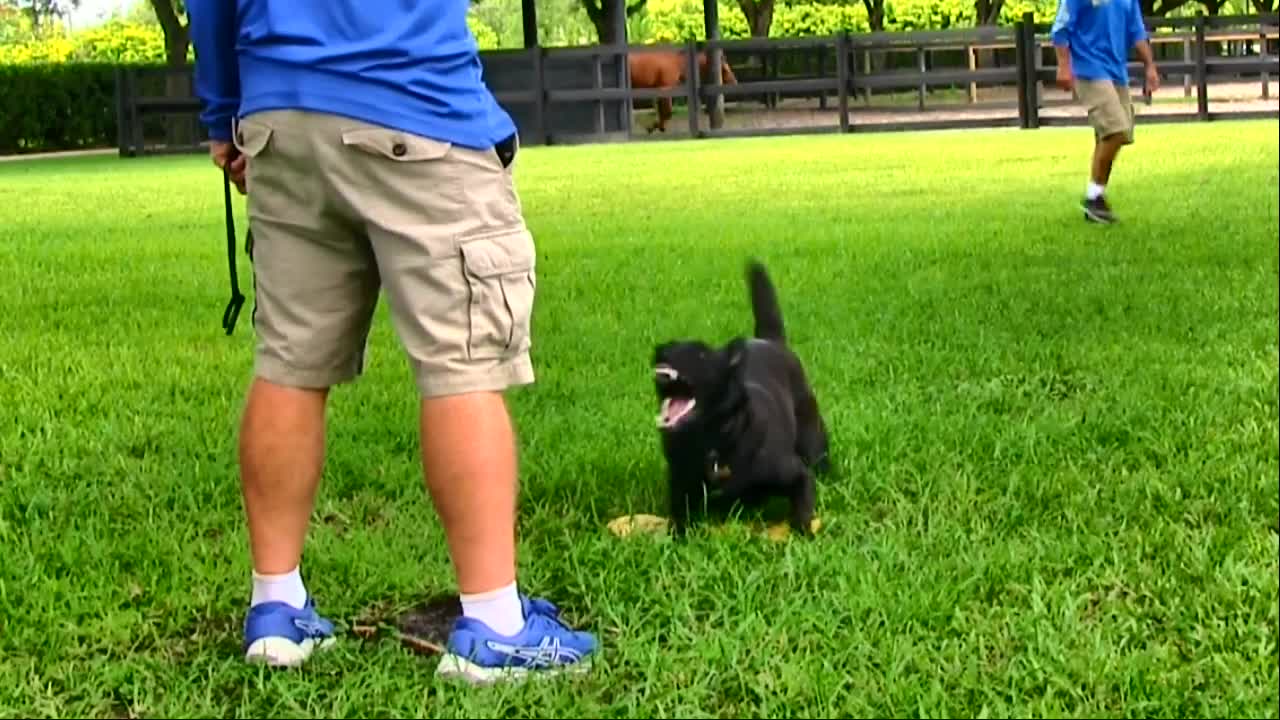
pixel 764 304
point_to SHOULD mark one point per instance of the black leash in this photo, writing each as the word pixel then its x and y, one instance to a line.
pixel 232 313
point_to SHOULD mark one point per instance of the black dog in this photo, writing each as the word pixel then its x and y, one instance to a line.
pixel 740 423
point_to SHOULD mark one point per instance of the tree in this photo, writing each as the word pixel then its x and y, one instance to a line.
pixel 759 15
pixel 875 14
pixel 1265 6
pixel 988 11
pixel 177 31
pixel 172 15
pixel 603 15
pixel 15 25
pixel 43 11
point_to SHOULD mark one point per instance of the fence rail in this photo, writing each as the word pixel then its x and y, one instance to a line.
pixel 547 88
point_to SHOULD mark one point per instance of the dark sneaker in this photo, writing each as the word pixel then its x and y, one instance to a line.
pixel 545 645
pixel 1098 211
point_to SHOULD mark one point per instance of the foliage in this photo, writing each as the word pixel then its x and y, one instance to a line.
pixel 911 15
pixel 115 41
pixel 678 20
pixel 485 36
pixel 57 106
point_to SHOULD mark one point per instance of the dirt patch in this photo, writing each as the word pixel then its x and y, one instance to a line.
pixel 423 628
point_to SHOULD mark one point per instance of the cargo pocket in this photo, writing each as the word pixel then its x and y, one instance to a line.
pixel 395 145
pixel 251 137
pixel 499 269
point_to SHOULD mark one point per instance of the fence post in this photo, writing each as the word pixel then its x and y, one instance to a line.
pixel 842 76
pixel 597 83
pixel 923 87
pixel 695 94
pixel 139 139
pixel 1202 79
pixel 626 107
pixel 1020 61
pixel 1186 58
pixel 1262 47
pixel 1032 63
pixel 711 26
pixel 122 118
pixel 538 56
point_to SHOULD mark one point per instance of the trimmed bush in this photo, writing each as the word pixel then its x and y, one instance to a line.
pixel 62 106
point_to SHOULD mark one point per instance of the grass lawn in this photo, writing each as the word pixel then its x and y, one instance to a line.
pixel 1057 442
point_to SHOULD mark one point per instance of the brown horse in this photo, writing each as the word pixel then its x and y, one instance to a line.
pixel 666 69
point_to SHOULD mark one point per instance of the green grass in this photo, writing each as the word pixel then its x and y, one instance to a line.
pixel 1057 441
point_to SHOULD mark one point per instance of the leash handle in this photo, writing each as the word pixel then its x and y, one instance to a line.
pixel 232 313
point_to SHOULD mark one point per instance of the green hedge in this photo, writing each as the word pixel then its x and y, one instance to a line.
pixel 680 20
pixel 57 107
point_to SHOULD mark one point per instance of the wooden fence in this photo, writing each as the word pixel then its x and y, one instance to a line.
pixel 583 94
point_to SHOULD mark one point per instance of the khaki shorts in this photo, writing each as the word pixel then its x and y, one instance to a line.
pixel 1110 108
pixel 341 209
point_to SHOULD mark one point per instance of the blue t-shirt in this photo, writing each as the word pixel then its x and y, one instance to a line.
pixel 413 66
pixel 1100 34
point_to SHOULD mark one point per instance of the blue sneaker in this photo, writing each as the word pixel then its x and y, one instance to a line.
pixel 545 645
pixel 281 635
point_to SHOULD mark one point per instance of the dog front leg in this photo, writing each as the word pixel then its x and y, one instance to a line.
pixel 681 490
pixel 803 499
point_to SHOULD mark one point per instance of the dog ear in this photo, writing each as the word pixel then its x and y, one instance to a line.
pixel 735 355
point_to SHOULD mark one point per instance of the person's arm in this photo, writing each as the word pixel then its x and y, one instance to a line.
pixel 1137 34
pixel 217 81
pixel 1060 33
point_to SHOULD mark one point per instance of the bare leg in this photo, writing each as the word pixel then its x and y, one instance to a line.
pixel 469 459
pixel 281 456
pixel 1104 155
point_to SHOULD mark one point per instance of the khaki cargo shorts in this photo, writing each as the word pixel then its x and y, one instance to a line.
pixel 1110 108
pixel 341 209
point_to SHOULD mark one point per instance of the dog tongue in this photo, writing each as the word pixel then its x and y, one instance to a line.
pixel 676 407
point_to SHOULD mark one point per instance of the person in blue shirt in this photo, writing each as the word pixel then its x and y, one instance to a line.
pixel 1092 39
pixel 375 158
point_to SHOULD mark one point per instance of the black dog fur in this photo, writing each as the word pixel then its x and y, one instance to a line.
pixel 740 423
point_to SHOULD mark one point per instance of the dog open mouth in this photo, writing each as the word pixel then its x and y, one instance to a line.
pixel 678 402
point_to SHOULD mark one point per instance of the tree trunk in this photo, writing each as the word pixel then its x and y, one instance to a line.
pixel 988 11
pixel 759 14
pixel 177 37
pixel 875 22
pixel 875 14
pixel 180 130
pixel 602 15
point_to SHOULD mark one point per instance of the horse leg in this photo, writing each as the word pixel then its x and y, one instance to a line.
pixel 664 113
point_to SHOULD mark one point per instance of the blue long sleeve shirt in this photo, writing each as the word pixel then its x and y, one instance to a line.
pixel 413 66
pixel 1100 34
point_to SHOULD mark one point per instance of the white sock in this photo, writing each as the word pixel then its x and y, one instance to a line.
pixel 499 609
pixel 1093 190
pixel 287 588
